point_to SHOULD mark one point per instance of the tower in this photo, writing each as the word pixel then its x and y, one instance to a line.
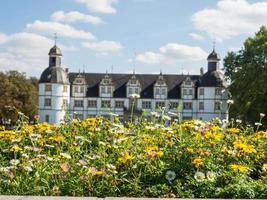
pixel 213 61
pixel 54 89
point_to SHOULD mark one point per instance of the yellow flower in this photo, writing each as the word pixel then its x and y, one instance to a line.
pixel 57 138
pixel 233 130
pixel 190 150
pixel 160 153
pixel 245 148
pixel 197 162
pixel 151 148
pixel 95 172
pixel 16 148
pixel 7 135
pixel 125 158
pixel 264 167
pixel 239 168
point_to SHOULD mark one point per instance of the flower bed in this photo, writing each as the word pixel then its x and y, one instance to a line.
pixel 99 157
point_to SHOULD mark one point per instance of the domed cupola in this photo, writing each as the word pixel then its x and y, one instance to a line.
pixel 54 73
pixel 214 56
pixel 213 61
pixel 55 50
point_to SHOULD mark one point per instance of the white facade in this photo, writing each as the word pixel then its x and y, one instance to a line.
pixel 59 98
pixel 196 99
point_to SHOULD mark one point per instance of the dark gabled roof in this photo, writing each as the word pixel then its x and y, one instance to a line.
pixel 54 75
pixel 147 82
pixel 212 79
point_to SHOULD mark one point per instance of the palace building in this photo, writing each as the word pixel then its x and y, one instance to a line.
pixel 83 95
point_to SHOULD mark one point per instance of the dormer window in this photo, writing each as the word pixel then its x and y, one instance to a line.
pixel 188 82
pixel 106 87
pixel 160 88
pixel 187 88
pixel 79 85
pixel 133 86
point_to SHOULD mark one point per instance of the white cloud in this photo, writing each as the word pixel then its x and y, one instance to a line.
pixel 196 36
pixel 26 52
pixel 100 6
pixel 103 47
pixel 49 28
pixel 231 18
pixel 75 16
pixel 172 53
pixel 3 38
pixel 150 58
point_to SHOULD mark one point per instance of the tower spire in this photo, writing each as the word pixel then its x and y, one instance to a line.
pixel 214 44
pixel 55 38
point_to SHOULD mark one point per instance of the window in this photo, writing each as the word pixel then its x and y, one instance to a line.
pixel 47 118
pixel 201 105
pixel 133 82
pixel 187 105
pixel 163 91
pixel 78 116
pixel 76 89
pixel 105 104
pixel 187 82
pixel 136 91
pixel 160 104
pixel 78 103
pixel 157 91
pixel 65 88
pixel 65 103
pixel 47 102
pixel 146 105
pixel 190 92
pixel 81 89
pixel 201 91
pixel 185 91
pixel 217 106
pixel 174 105
pixel 218 91
pixel 102 90
pixel 53 61
pixel 187 118
pixel 48 88
pixel 109 90
pixel 130 91
pixel 119 104
pixel 92 103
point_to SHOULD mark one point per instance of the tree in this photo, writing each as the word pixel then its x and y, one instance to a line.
pixel 247 72
pixel 17 94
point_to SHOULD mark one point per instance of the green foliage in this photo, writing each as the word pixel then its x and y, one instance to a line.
pixel 247 71
pixel 18 94
pixel 99 157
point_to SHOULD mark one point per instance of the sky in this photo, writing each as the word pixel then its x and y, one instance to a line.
pixel 122 36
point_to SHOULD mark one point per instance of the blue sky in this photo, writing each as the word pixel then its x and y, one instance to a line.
pixel 121 35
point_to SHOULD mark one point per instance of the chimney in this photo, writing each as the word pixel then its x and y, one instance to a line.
pixel 67 70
